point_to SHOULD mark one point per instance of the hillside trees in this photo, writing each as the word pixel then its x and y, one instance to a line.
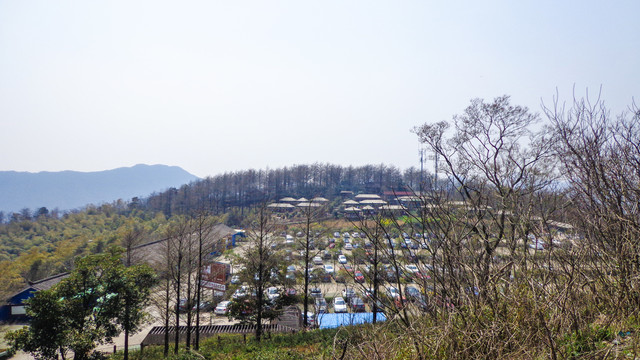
pixel 496 164
pixel 475 228
pixel 248 188
pixel 600 157
pixel 33 250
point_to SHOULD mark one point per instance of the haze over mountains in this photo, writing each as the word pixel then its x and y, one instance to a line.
pixel 67 190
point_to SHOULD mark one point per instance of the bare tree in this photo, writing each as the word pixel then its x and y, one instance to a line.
pixel 259 262
pixel 203 224
pixel 494 163
pixel 132 236
pixel 179 264
pixel 600 156
pixel 311 213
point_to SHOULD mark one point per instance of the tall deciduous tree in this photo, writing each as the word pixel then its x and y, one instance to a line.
pixel 259 262
pixel 312 212
pixel 203 224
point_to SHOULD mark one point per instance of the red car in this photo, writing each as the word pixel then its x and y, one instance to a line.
pixel 359 278
pixel 422 275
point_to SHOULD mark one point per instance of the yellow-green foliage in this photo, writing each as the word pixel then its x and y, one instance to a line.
pixel 35 249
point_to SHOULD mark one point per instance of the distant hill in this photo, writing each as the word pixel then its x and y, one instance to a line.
pixel 72 189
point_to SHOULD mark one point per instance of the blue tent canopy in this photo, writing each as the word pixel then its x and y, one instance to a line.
pixel 327 321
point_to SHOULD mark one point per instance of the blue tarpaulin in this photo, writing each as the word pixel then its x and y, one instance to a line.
pixel 327 321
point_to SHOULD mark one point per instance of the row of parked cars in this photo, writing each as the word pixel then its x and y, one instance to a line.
pixel 340 304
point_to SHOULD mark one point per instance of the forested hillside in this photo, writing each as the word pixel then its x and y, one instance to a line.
pixel 36 244
pixel 245 188
pixel 32 249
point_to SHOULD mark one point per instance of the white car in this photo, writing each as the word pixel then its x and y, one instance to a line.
pixel 222 308
pixel 392 292
pixel 317 260
pixel 329 269
pixel 537 245
pixel 311 318
pixel 273 293
pixel 348 246
pixel 342 259
pixel 412 268
pixel 240 292
pixel 339 305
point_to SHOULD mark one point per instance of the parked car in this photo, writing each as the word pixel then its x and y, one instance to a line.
pixel 356 304
pixel 367 294
pixel 412 293
pixel 240 292
pixel 184 305
pixel 339 305
pixel 400 302
pixel 321 305
pixel 537 245
pixel 358 277
pixel 317 260
pixel 222 308
pixel 311 318
pixel 315 292
pixel 392 292
pixel 422 275
pixel 324 276
pixel 235 279
pixel 204 306
pixel 329 269
pixel 412 268
pixel 348 246
pixel 348 293
pixel 342 259
pixel 291 292
pixel 273 293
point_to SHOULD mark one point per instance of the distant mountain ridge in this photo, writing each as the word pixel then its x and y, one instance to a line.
pixel 67 190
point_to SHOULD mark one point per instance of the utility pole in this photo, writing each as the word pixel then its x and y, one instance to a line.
pixel 435 158
pixel 421 153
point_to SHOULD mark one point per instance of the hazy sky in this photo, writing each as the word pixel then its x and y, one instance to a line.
pixel 215 86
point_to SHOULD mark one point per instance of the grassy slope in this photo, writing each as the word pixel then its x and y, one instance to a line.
pixel 316 344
